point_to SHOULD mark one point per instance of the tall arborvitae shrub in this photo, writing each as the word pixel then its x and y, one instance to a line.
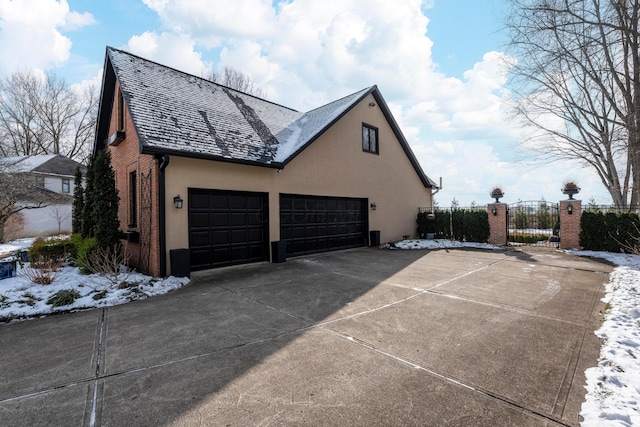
pixel 476 226
pixel 610 231
pixel 457 224
pixel 78 203
pixel 88 221
pixel 443 224
pixel 105 203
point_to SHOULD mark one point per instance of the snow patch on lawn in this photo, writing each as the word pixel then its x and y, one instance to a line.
pixel 439 244
pixel 613 387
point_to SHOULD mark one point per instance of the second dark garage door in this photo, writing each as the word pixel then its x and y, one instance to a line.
pixel 227 228
pixel 311 224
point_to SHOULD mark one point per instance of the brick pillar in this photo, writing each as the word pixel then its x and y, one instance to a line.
pixel 497 223
pixel 570 224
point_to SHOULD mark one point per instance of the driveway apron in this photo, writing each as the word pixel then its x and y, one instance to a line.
pixel 359 337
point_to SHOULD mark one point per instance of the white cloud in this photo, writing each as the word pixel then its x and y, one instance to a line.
pixel 174 50
pixel 31 33
pixel 75 21
pixel 212 20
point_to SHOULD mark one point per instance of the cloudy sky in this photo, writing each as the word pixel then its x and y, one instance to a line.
pixel 438 64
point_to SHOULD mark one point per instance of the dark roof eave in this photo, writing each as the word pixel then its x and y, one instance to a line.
pixel 192 155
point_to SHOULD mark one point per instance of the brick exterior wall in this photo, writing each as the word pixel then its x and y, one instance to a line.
pixel 570 224
pixel 125 159
pixel 498 223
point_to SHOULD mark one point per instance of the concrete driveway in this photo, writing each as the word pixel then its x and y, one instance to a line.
pixel 361 337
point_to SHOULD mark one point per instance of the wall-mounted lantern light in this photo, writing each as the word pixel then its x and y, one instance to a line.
pixel 570 209
pixel 372 104
pixel 373 206
pixel 494 210
pixel 177 202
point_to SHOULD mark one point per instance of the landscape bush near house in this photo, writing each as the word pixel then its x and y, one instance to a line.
pixel 95 247
pixel 465 225
pixel 97 236
pixel 610 231
pixel 52 250
pixel 46 259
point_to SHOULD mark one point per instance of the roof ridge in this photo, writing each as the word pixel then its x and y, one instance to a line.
pixel 198 77
pixel 364 92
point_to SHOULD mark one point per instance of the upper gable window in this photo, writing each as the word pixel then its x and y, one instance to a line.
pixel 369 139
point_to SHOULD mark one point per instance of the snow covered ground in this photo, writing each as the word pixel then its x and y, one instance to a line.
pixel 613 387
pixel 20 298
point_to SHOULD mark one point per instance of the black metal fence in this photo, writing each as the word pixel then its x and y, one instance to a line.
pixel 590 207
pixel 533 223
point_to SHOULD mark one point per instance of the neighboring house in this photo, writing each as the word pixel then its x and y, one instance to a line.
pixel 51 172
pixel 220 174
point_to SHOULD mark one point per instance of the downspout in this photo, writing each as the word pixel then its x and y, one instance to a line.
pixel 433 193
pixel 162 215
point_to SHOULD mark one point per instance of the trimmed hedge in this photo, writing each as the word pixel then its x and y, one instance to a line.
pixel 465 225
pixel 609 231
pixel 54 250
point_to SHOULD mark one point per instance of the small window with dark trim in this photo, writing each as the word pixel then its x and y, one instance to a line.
pixel 369 139
pixel 133 199
pixel 120 111
pixel 65 185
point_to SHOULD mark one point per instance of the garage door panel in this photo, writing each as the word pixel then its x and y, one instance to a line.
pixel 219 201
pixel 199 201
pixel 254 219
pixel 219 237
pixel 199 257
pixel 237 202
pixel 254 236
pixel 313 224
pixel 219 219
pixel 227 227
pixel 239 236
pixel 200 238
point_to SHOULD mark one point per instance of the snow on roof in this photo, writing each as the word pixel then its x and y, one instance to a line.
pixel 177 112
pixel 25 163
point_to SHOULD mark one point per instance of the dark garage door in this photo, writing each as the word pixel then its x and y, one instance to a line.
pixel 227 228
pixel 311 224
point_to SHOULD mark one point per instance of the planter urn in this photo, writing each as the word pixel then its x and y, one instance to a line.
pixel 570 191
pixel 497 194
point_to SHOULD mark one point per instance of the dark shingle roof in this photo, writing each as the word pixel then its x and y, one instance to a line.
pixel 52 164
pixel 175 111
pixel 178 113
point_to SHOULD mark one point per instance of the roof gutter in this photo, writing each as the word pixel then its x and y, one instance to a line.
pixel 162 214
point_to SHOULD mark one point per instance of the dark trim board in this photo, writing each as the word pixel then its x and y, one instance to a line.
pixel 313 224
pixel 227 227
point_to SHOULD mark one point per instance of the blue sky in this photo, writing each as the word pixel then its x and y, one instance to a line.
pixel 438 63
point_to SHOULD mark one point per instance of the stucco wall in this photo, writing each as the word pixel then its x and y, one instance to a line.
pixel 334 165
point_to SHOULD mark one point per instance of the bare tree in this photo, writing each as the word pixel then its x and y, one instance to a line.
pixel 19 191
pixel 60 214
pixel 234 79
pixel 45 116
pixel 577 85
pixel 19 124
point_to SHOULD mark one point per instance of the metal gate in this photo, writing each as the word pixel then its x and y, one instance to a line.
pixel 145 222
pixel 533 223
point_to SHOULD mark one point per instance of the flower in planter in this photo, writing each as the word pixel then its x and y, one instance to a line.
pixel 570 188
pixel 496 193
